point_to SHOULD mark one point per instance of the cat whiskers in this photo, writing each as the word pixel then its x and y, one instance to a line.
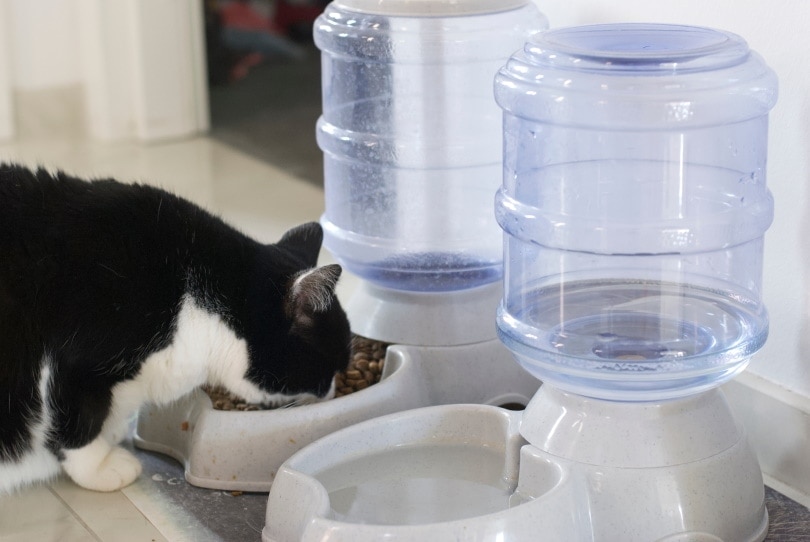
pixel 111 270
pixel 115 365
pixel 290 402
pixel 300 401
pixel 71 339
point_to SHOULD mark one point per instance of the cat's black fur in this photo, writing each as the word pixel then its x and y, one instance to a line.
pixel 93 278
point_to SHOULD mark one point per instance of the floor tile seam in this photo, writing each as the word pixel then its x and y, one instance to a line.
pixel 75 514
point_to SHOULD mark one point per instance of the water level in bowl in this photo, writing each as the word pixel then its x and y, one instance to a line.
pixel 418 484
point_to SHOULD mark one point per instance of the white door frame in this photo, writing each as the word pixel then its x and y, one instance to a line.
pixel 169 67
pixel 6 107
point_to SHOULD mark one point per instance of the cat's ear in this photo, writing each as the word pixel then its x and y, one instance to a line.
pixel 304 242
pixel 312 292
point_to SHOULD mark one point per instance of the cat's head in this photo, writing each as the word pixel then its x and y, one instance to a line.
pixel 303 341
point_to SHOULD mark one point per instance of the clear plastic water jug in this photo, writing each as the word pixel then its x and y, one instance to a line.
pixel 634 204
pixel 411 136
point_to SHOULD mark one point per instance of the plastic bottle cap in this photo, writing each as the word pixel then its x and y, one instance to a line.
pixel 430 8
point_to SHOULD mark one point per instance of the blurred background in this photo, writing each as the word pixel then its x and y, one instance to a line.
pixel 244 71
pixel 264 80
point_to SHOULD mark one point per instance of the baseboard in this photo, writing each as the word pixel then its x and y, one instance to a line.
pixel 778 425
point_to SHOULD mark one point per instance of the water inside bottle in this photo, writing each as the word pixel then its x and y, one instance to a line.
pixel 617 326
pixel 432 272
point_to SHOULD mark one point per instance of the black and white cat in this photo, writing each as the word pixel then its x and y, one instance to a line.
pixel 112 295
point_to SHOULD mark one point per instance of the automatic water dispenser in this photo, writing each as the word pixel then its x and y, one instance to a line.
pixel 634 203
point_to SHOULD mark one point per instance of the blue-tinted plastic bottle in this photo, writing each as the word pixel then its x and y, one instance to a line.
pixel 411 136
pixel 634 205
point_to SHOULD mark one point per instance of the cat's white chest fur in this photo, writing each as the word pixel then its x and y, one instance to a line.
pixel 203 350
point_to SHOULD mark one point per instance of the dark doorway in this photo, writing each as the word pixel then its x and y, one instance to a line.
pixel 265 89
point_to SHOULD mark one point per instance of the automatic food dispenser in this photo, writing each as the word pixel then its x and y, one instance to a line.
pixel 412 157
pixel 412 152
pixel 634 204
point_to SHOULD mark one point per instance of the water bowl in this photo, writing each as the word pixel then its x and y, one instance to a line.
pixel 567 468
pixel 427 474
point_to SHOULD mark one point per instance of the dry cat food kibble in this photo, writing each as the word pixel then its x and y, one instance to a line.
pixel 364 369
pixel 224 400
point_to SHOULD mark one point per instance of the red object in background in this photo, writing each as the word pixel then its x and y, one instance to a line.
pixel 287 15
pixel 241 15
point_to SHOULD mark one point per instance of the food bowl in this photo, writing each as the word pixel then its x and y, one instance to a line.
pixel 242 450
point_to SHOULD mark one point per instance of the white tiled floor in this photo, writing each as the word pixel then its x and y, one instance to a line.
pixel 257 198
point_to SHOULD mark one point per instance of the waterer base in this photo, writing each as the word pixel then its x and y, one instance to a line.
pixel 677 470
pixel 680 470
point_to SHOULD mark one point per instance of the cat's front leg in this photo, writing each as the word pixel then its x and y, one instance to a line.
pixel 101 466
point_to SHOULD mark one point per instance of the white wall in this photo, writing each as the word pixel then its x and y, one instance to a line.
pixel 6 110
pixel 118 68
pixel 44 52
pixel 778 31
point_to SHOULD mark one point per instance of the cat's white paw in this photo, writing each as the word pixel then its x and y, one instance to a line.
pixel 101 467
pixel 118 470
